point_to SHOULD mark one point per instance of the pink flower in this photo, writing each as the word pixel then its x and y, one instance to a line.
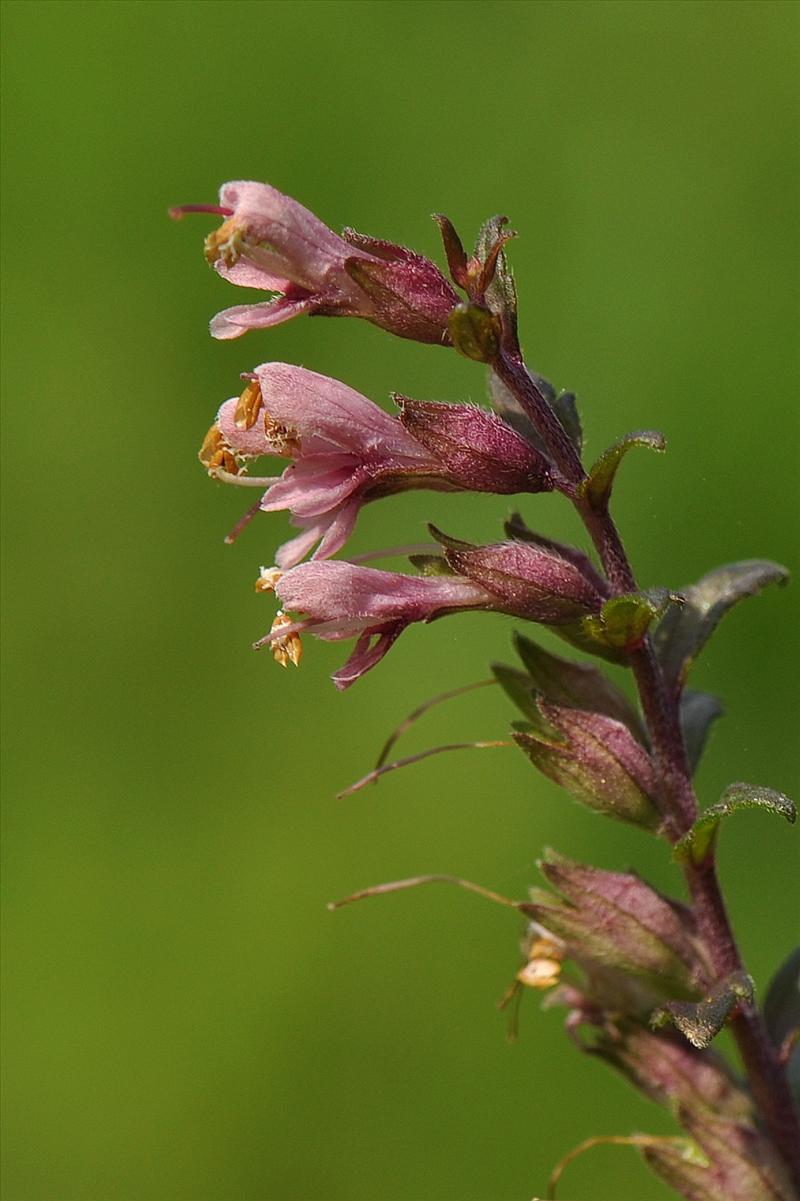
pixel 347 451
pixel 269 241
pixel 340 600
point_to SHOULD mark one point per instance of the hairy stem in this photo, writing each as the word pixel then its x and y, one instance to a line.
pixel 761 1060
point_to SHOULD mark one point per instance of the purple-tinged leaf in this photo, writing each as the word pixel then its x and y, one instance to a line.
pixel 684 632
pixel 597 486
pixel 698 710
pixel 454 249
pixel 702 1021
pixel 565 407
pixel 578 685
pixel 782 1002
pixel 699 842
pixel 520 690
pixel 782 1016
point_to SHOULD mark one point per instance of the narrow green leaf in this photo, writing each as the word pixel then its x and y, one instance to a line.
pixel 600 480
pixel 684 632
pixel 518 686
pixel 566 410
pixel 698 843
pixel 701 1021
pixel 698 710
pixel 576 684
pixel 782 1002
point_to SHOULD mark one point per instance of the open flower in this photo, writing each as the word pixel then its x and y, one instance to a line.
pixel 341 600
pixel 271 242
pixel 347 451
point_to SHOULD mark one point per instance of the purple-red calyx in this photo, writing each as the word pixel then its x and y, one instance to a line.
pixel 271 242
pixel 346 451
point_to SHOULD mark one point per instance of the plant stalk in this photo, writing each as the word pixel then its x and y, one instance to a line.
pixel 765 1072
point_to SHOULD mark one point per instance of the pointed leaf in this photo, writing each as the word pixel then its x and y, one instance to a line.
pixel 598 484
pixel 509 408
pixel 700 1022
pixel 578 685
pixel 519 688
pixel 698 843
pixel 782 1002
pixel 698 710
pixel 684 632
pixel 565 408
pixel 431 564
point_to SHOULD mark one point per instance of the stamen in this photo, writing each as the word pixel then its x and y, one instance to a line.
pixel 684 1145
pixel 217 456
pixel 287 649
pixel 379 890
pixel 268 578
pixel 225 243
pixel 179 211
pixel 396 552
pixel 377 772
pixel 543 968
pixel 248 406
pixel 417 713
pixel 243 521
pixel 282 439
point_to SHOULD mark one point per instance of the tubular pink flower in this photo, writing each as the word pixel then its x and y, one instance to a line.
pixel 347 451
pixel 341 600
pixel 271 242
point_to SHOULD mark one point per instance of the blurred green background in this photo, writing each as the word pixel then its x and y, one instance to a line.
pixel 184 1019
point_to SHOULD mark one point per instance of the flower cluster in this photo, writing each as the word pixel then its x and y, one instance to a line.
pixel 646 980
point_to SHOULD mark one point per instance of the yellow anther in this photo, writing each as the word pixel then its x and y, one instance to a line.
pixel 215 454
pixel 267 579
pixel 248 406
pixel 288 648
pixel 540 973
pixel 226 243
pixel 543 968
pixel 282 439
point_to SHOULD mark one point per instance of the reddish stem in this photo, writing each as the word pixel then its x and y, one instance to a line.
pixel 761 1060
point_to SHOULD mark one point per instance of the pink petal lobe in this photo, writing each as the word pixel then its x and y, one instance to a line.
pixel 233 322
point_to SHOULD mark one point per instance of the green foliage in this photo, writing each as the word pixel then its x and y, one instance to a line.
pixel 698 843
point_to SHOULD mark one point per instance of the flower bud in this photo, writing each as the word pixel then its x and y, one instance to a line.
pixel 475 332
pixel 595 758
pixel 615 920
